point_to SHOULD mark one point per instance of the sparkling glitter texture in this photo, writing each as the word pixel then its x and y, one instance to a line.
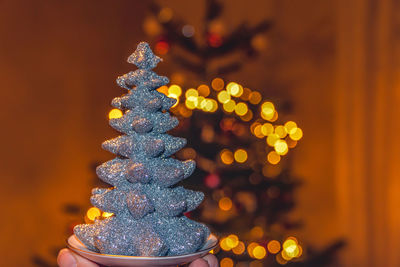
pixel 148 207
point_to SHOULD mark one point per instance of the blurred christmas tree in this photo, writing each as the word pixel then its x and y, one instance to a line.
pixel 239 142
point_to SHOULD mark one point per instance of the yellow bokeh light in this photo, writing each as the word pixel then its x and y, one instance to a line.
pixel 217 84
pixel 232 241
pixel 223 97
pixel 272 139
pixel 251 247
pixel 241 109
pixel 175 90
pixel 240 155
pixel 191 102
pixel 267 110
pixel 274 246
pixel 191 92
pixel 239 249
pixel 203 90
pixel 246 94
pixel 209 105
pixel 281 147
pixel 255 98
pixel 274 117
pixel 224 245
pixel 267 129
pixel 289 243
pixel 225 203
pixel 229 106
pixel 200 102
pixel 163 89
pixel 281 131
pixel 226 156
pixel 93 213
pixel 248 116
pixel 259 252
pixel 273 157
pixel 107 214
pixel 290 126
pixel 257 232
pixel 226 262
pixel 214 105
pixel 115 114
pixel 296 134
pixel 234 89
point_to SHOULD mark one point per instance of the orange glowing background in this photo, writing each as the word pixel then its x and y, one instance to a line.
pixel 338 61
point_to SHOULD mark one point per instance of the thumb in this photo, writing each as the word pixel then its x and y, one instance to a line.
pixel 66 258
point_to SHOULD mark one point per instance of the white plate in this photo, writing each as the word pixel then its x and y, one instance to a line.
pixel 77 246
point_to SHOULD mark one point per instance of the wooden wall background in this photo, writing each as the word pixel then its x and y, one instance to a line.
pixel 337 60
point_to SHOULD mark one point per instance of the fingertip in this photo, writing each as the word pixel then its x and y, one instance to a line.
pixel 211 260
pixel 199 263
pixel 66 259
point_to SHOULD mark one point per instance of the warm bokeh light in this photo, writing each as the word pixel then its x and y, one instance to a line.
pixel 226 262
pixel 256 232
pixel 163 89
pixel 200 102
pixel 272 139
pixel 273 157
pixel 281 147
pixel 241 109
pixel 267 110
pixel 191 102
pixel 165 14
pixel 255 98
pixel 248 116
pixel 224 245
pixel 225 203
pixel 232 241
pixel 161 47
pixel 251 247
pixel 223 97
pixel 240 155
pixel 234 89
pixel 257 131
pixel 229 106
pixel 217 84
pixel 259 252
pixel 226 156
pixel 203 90
pixel 267 129
pixel 246 94
pixel 281 131
pixel 239 249
pixel 93 213
pixel 174 91
pixel 107 214
pixel 115 114
pixel 274 246
pixel 296 134
pixel 290 126
pixel 191 92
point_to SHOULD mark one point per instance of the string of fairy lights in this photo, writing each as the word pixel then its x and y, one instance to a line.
pixel 248 105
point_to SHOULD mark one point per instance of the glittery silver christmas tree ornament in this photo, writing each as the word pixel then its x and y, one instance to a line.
pixel 147 205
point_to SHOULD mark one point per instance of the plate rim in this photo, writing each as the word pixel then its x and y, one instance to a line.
pixel 147 258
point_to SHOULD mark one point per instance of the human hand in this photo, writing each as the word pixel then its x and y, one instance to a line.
pixel 66 258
